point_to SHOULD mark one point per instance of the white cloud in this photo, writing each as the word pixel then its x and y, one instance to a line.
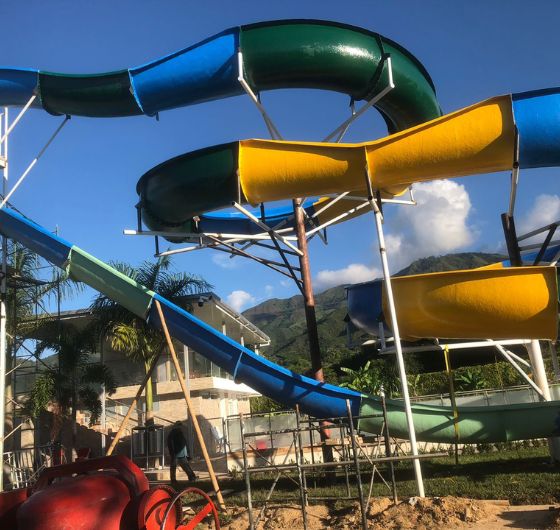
pixel 268 290
pixel 354 273
pixel 545 210
pixel 225 261
pixel 437 225
pixel 239 300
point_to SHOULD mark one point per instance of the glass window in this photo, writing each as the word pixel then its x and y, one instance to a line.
pixel 161 370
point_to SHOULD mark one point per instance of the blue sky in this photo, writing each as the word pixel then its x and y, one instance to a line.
pixel 85 183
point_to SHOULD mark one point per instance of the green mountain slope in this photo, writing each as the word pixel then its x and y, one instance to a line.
pixel 283 320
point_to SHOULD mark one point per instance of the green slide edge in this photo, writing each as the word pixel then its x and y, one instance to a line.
pixel 165 196
pixel 272 53
pixel 95 95
pixel 105 279
pixel 475 424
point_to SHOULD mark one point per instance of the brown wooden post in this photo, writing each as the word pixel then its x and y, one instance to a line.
pixel 308 297
pixel 132 407
pixel 196 426
pixel 310 316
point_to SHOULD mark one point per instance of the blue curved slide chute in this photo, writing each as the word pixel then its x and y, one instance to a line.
pixel 321 400
pixel 318 399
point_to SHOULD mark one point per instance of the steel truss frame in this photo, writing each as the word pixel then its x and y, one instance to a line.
pixel 515 250
pixel 6 129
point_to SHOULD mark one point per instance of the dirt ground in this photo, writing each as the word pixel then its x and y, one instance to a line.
pixel 414 513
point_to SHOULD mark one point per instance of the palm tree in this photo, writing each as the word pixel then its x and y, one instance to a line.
pixel 130 334
pixel 74 382
pixel 30 287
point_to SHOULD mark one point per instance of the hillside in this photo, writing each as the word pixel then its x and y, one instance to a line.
pixel 283 320
pixel 450 262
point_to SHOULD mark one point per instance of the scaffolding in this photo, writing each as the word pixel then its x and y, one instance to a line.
pixel 355 456
pixel 13 363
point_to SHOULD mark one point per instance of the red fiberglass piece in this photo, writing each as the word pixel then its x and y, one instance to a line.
pixel 108 493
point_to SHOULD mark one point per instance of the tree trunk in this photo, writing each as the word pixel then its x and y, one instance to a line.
pixel 149 396
pixel 74 423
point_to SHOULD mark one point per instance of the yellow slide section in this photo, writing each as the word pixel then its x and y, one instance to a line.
pixel 478 139
pixel 506 303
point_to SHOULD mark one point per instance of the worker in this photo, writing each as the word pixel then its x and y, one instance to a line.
pixel 177 446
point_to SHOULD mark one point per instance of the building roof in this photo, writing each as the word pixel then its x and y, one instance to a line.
pixel 209 308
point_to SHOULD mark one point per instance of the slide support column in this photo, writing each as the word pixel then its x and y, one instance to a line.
pixel 3 290
pixel 310 316
pixel 309 299
pixel 394 325
pixel 539 374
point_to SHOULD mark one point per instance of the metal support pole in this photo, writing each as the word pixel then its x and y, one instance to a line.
pixel 3 291
pixel 196 426
pixel 309 299
pixel 302 492
pixel 453 401
pixel 510 235
pixel 310 315
pixel 507 356
pixel 301 456
pixel 8 130
pixel 396 335
pixel 387 437
pixel 345 456
pixel 539 374
pixel 187 372
pixel 246 470
pixel 357 465
pixel 103 401
pixel 33 162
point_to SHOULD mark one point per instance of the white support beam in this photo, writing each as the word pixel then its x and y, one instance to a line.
pixel 5 129
pixel 396 335
pixel 539 373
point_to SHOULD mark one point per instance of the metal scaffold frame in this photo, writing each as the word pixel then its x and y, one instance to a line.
pixel 353 457
pixel 6 129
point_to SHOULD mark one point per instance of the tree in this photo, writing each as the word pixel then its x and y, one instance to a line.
pixel 372 377
pixel 471 378
pixel 130 334
pixel 74 382
pixel 30 287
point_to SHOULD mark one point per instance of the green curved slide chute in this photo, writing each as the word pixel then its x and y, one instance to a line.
pixel 278 54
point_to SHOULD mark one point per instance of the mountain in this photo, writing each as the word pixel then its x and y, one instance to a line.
pixel 450 262
pixel 283 320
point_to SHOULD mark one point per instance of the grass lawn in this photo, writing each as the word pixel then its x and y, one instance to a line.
pixel 521 475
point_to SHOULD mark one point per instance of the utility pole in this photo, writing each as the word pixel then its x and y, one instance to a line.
pixel 308 297
pixel 310 316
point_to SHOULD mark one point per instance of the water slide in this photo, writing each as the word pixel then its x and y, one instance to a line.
pixel 432 423
pixel 367 301
pixel 474 140
pixel 282 55
pixel 275 55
